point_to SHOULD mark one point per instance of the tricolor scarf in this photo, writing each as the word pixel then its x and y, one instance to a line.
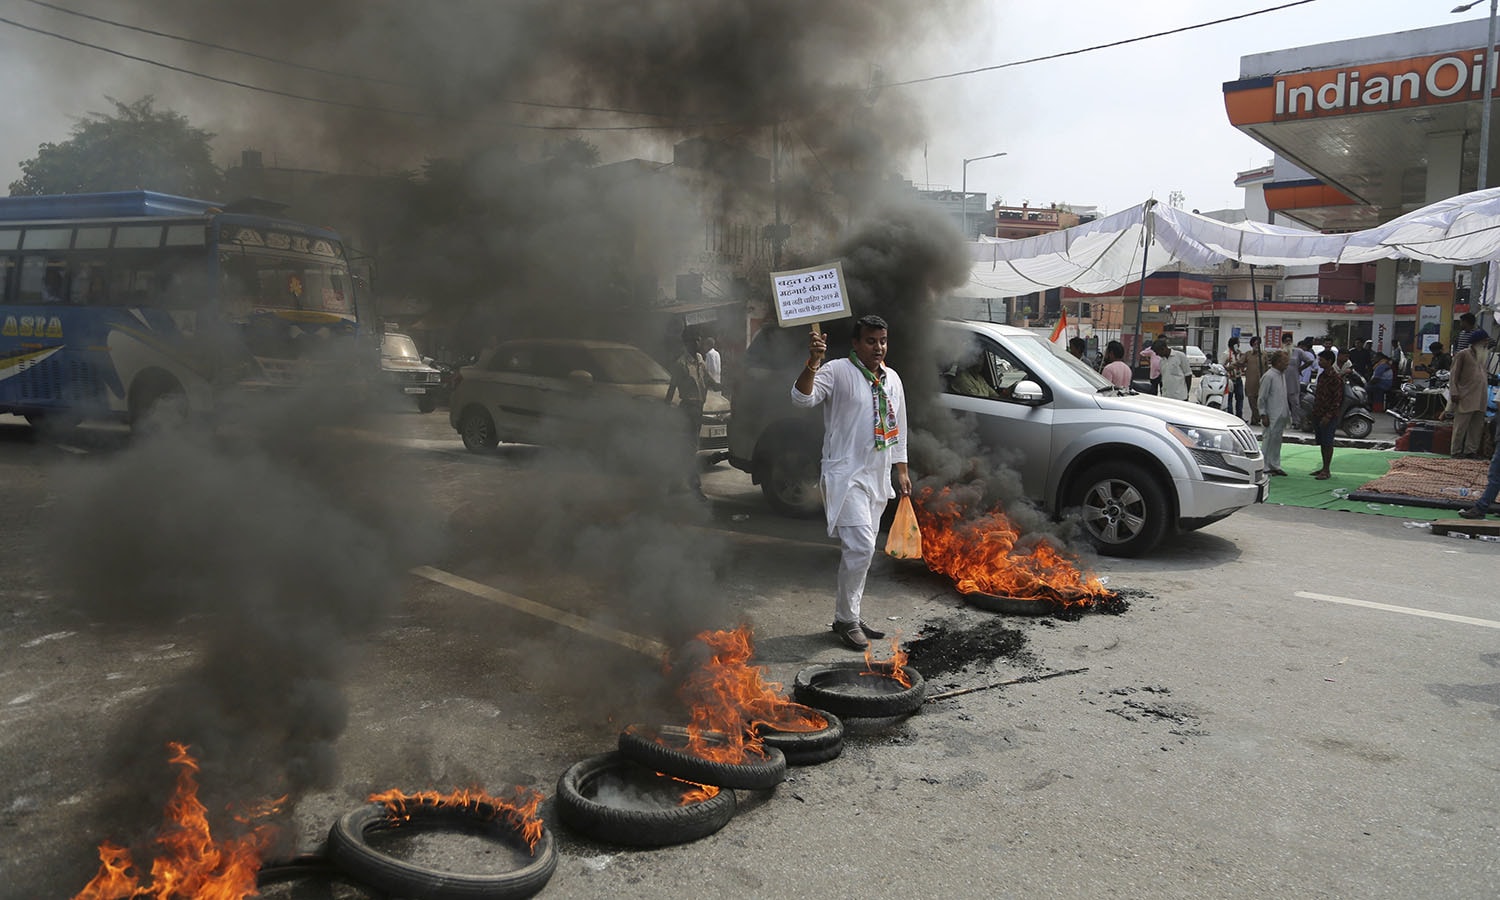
pixel 886 431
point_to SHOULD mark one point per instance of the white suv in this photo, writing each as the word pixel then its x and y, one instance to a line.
pixel 1135 466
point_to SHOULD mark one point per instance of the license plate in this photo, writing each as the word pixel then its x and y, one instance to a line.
pixel 416 390
pixel 718 431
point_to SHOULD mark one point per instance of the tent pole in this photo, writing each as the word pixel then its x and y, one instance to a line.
pixel 1254 300
pixel 1140 305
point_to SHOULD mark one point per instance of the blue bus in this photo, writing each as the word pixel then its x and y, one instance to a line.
pixel 130 304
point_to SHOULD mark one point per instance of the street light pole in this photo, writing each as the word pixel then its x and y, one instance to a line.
pixel 964 189
pixel 1489 87
pixel 1351 307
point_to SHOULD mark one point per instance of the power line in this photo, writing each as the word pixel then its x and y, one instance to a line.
pixel 345 104
pixel 315 69
pixel 1119 43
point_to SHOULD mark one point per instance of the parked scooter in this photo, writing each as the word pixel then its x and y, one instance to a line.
pixel 1212 385
pixel 1355 418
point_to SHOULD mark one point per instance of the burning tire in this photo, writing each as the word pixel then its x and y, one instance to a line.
pixel 1123 508
pixel 853 691
pixel 350 852
pixel 639 743
pixel 656 818
pixel 807 748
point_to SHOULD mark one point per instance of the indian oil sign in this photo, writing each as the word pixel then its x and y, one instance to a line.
pixel 1368 87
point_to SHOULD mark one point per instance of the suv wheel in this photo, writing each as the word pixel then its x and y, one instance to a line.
pixel 1122 508
pixel 789 482
pixel 478 430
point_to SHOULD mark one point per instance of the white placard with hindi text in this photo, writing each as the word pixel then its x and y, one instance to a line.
pixel 809 295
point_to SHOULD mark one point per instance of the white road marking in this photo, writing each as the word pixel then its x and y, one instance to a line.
pixel 651 648
pixel 1407 610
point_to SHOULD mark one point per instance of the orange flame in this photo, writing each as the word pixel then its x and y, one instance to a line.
pixel 729 700
pixel 696 793
pixel 190 864
pixel 519 813
pixel 895 667
pixel 981 556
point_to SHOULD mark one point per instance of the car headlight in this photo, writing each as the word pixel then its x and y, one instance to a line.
pixel 1195 438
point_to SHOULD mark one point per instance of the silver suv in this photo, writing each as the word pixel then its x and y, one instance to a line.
pixel 1135 466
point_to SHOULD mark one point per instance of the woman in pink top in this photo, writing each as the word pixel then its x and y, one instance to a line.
pixel 1115 368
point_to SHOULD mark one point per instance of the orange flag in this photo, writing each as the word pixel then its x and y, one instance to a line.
pixel 1062 326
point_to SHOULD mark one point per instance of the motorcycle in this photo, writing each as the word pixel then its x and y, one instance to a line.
pixel 1419 399
pixel 1355 418
pixel 1212 385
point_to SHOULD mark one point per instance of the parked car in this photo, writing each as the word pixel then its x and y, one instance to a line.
pixel 546 391
pixel 1197 359
pixel 1134 466
pixel 404 370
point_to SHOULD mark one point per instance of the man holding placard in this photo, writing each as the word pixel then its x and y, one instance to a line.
pixel 857 458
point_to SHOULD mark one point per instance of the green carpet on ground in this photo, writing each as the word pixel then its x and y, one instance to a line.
pixel 1351 470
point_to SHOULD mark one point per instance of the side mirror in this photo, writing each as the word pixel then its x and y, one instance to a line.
pixel 1028 392
pixel 581 378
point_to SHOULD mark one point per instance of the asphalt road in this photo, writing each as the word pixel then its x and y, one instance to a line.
pixel 1302 703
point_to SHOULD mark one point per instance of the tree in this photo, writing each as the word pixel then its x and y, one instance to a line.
pixel 136 148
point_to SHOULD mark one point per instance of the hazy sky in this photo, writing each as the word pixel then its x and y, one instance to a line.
pixel 1107 128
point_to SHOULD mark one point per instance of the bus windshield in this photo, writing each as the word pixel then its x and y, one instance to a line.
pixel 260 280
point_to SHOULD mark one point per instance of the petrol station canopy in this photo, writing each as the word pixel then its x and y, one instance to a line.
pixel 1104 255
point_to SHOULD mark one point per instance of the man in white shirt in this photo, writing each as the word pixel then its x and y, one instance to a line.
pixel 1176 372
pixel 864 435
pixel 712 363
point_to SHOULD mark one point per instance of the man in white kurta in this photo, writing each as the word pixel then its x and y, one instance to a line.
pixel 864 435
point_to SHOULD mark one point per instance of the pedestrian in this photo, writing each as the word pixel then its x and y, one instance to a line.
pixel 1469 393
pixel 1481 507
pixel 1465 334
pixel 1439 361
pixel 1115 369
pixel 1382 380
pixel 1363 359
pixel 1154 374
pixel 690 383
pixel 1077 347
pixel 1176 372
pixel 1328 401
pixel 1234 370
pixel 1273 405
pixel 857 464
pixel 713 367
pixel 1255 368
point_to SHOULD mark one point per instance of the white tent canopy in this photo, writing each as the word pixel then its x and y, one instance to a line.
pixel 1104 255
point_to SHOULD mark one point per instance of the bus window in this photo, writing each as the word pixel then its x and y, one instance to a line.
pixel 92 238
pixel 90 280
pixel 43 280
pixel 10 238
pixel 47 238
pixel 252 280
pixel 7 274
pixel 136 236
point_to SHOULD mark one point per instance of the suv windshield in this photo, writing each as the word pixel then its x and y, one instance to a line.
pixel 1056 364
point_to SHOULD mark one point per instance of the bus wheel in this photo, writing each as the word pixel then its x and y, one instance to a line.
pixel 158 404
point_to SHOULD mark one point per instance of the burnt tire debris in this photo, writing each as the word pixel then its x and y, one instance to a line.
pixel 585 804
pixel 640 743
pixel 807 748
pixel 350 852
pixel 853 690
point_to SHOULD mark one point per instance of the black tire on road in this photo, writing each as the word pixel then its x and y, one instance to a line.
pixel 843 690
pixel 350 853
pixel 789 479
pixel 1123 508
pixel 1011 606
pixel 638 743
pixel 807 748
pixel 426 403
pixel 1358 427
pixel 579 807
pixel 478 430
